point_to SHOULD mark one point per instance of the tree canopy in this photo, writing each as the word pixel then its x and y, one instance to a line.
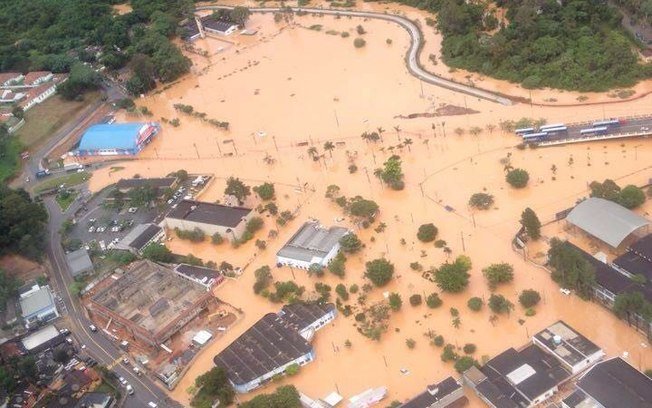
pixel 22 224
pixel 379 271
pixel 363 208
pixel 498 273
pixel 517 178
pixel 157 253
pixel 531 223
pixel 284 397
pixel 629 197
pixel 265 191
pixel 481 201
pixel 427 232
pixel 213 385
pixel 569 268
pixel 238 189
pixel 350 243
pixel 454 277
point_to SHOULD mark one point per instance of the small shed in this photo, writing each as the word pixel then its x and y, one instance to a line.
pixel 79 262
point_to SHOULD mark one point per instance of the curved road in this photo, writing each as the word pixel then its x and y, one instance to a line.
pixel 411 59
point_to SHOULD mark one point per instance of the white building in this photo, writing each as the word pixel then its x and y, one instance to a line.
pixel 203 276
pixel 572 349
pixel 311 244
pixel 38 305
pixel 140 237
pixel 38 94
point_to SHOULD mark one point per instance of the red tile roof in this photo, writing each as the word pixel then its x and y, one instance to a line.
pixel 33 76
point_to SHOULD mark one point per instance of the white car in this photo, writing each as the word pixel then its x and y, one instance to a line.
pixel 91 229
pixel 123 381
pixel 83 347
pixel 152 404
pixel 133 209
pixel 565 291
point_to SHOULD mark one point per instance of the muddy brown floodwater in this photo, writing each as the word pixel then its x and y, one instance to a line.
pixel 288 85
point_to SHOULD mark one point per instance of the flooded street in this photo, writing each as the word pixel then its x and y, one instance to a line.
pixel 289 88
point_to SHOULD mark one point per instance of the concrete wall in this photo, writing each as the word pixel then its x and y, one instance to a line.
pixel 252 385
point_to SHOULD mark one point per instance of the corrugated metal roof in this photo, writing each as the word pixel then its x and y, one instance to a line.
pixel 605 220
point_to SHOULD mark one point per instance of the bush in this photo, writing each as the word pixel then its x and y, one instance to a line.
pixel 379 271
pixel 341 292
pixel 498 273
pixel 416 300
pixel 395 301
pixel 481 201
pixel 463 364
pixel 475 304
pixel 359 42
pixel 499 304
pixel 517 178
pixel 353 288
pixel 360 30
pixel 217 238
pixel 433 301
pixel 469 348
pixel 338 265
pixel 410 343
pixel 531 223
pixel 427 232
pixel 449 354
pixel 254 224
pixel 194 235
pixel 265 191
pixel 438 340
pixel 529 298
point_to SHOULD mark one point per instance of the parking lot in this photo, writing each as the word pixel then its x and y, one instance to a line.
pixel 100 225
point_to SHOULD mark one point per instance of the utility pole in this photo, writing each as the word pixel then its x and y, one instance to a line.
pixel 274 139
pixel 196 151
pixel 217 143
pixel 463 246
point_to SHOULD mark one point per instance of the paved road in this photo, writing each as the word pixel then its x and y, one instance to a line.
pixel 411 59
pixel 97 344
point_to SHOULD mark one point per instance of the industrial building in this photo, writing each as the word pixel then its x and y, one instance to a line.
pixel 527 377
pixel 270 346
pixel 150 301
pixel 79 262
pixel 38 305
pixel 611 384
pixel 229 222
pixel 311 244
pixel 117 139
pixel 446 393
pixel 141 236
pixel 607 221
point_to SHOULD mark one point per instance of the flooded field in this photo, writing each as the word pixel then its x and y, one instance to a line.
pixel 289 88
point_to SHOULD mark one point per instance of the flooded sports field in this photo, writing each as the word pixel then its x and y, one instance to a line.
pixel 295 85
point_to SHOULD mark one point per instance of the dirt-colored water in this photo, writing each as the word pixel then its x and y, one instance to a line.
pixel 298 85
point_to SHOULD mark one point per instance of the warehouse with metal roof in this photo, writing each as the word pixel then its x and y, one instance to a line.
pixel 607 221
pixel 311 244
pixel 116 139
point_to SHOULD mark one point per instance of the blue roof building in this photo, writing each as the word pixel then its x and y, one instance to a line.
pixel 116 139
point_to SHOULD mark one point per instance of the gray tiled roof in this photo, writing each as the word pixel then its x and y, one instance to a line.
pixel 312 240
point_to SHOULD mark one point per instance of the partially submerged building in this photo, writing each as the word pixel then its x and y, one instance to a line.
pixel 229 222
pixel 311 244
pixel 140 237
pixel 117 139
pixel 527 377
pixel 446 393
pixel 200 275
pixel 270 346
pixel 79 263
pixel 607 221
pixel 38 305
pixel 572 349
pixel 151 302
pixel 611 384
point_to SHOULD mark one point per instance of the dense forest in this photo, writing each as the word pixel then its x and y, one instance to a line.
pixel 579 45
pixel 55 35
pixel 639 9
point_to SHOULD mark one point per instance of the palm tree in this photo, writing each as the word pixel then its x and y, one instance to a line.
pixel 379 173
pixel 408 142
pixel 490 127
pixel 312 152
pixel 329 146
pixel 380 132
pixel 475 130
pixel 365 136
pixel 425 142
pixel 397 128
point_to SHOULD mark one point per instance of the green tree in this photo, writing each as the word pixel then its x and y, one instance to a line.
pixel 517 178
pixel 453 277
pixel 341 291
pixel 497 274
pixel 240 15
pixel 631 197
pixel 499 304
pixel 82 78
pixel 316 270
pixel 18 112
pixel 392 173
pixel 284 397
pixel 338 265
pixel 329 147
pixel 433 301
pixel 529 298
pixel 416 300
pixel 22 224
pixel 157 253
pixel 8 287
pixel 427 232
pixel 217 239
pixel 475 304
pixel 570 269
pixel 265 191
pixel 350 243
pixel 395 301
pixel 463 364
pixel 531 223
pixel 469 348
pixel 481 201
pixel 363 208
pixel 238 189
pixel 379 271
pixel 213 386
